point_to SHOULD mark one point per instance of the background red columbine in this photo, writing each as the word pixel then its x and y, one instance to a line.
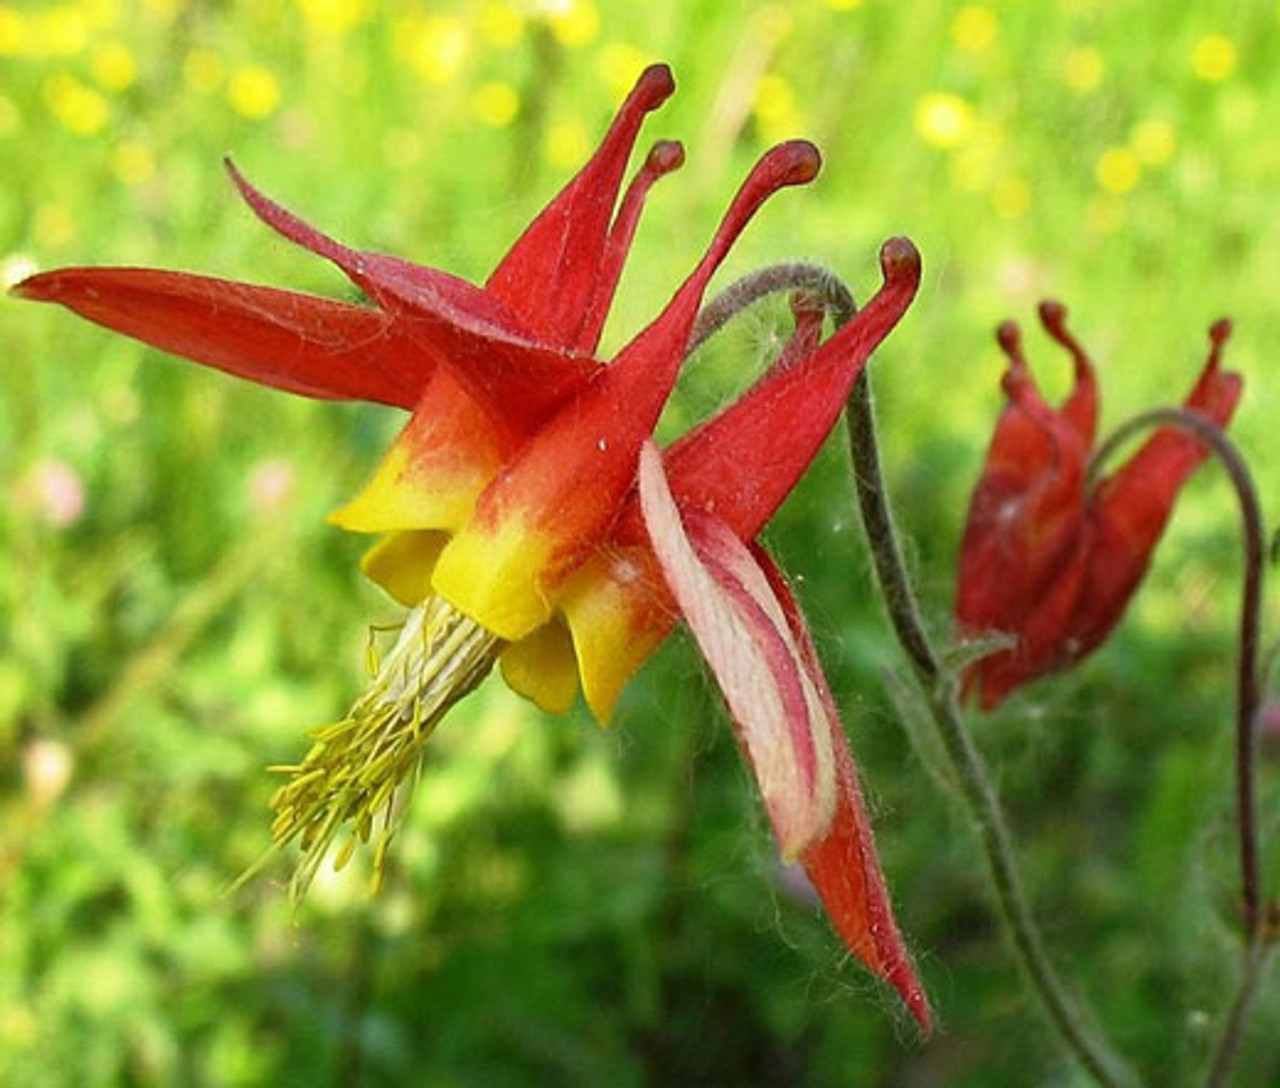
pixel 1047 558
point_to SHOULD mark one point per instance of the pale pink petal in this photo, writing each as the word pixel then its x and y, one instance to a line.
pixel 743 633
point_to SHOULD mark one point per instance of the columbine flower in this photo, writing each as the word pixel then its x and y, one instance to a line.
pixel 513 527
pixel 1045 558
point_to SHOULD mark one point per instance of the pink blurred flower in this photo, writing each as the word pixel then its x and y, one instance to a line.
pixel 271 484
pixel 53 491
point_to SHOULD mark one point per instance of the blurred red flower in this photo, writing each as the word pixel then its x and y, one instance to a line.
pixel 1046 558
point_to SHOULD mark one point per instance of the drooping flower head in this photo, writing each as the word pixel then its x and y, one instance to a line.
pixel 524 516
pixel 1046 558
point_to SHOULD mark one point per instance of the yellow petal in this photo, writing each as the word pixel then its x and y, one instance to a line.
pixel 430 478
pixel 402 563
pixel 618 612
pixel 495 574
pixel 542 667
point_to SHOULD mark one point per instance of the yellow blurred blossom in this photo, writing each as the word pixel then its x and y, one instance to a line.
pixel 619 64
pixel 435 47
pixel 80 109
pixel 1083 68
pixel 133 162
pixel 13 32
pixel 1118 170
pixel 844 5
pixel 202 71
pixel 501 25
pixel 335 17
pixel 100 13
pixel 1213 58
pixel 974 28
pixel 943 120
pixel 775 107
pixel 53 225
pixel 164 10
pixel 9 116
pixel 1154 142
pixel 496 104
pixel 61 31
pixel 253 92
pixel 1106 214
pixel 113 66
pixel 573 22
pixel 1011 197
pixel 567 144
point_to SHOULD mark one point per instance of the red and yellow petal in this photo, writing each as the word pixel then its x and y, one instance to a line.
pixel 443 459
pixel 555 501
pixel 619 611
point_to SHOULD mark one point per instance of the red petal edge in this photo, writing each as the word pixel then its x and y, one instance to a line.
pixel 841 860
pixel 299 343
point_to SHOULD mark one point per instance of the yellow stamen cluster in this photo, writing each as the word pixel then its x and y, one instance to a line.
pixel 351 776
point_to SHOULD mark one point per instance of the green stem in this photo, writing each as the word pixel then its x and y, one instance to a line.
pixel 935 681
pixel 1233 1032
pixel 1248 683
pixel 984 808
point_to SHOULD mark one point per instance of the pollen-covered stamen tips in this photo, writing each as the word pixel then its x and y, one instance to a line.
pixel 350 778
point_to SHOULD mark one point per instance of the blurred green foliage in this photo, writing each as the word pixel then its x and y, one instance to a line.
pixel 570 906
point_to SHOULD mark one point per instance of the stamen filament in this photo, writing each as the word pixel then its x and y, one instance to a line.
pixel 352 773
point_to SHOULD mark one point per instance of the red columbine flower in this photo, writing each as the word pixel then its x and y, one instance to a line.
pixel 512 526
pixel 1044 558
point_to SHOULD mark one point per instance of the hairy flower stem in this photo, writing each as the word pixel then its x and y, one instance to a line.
pixel 984 807
pixel 1249 676
pixel 1248 690
pixel 1255 967
pixel 934 679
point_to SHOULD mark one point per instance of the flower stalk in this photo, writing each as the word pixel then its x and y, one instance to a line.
pixel 1248 689
pixel 936 681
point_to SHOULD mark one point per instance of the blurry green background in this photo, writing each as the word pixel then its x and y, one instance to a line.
pixel 572 906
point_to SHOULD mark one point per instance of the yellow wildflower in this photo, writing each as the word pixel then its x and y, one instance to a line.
pixel 619 64
pixel 567 144
pixel 80 109
pixel 501 25
pixel 1213 58
pixel 1083 69
pixel 113 66
pixel 943 120
pixel 13 32
pixel 974 28
pixel 1118 170
pixel 496 104
pixel 435 47
pixel 253 92
pixel 335 17
pixel 574 22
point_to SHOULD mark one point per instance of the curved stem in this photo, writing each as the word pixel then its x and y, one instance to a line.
pixel 980 797
pixel 1255 967
pixel 1247 677
pixel 751 288
pixel 984 806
